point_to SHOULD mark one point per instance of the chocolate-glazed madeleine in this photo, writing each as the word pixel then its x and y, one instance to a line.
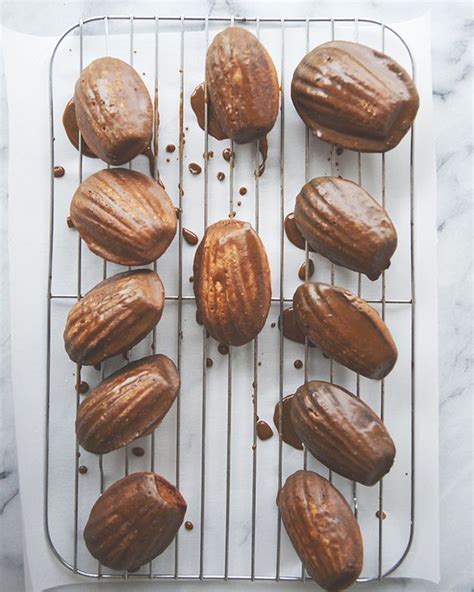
pixel 134 520
pixel 346 328
pixel 354 96
pixel 323 530
pixel 342 222
pixel 242 85
pixel 114 316
pixel 113 110
pixel 124 216
pixel 129 404
pixel 72 129
pixel 232 282
pixel 342 432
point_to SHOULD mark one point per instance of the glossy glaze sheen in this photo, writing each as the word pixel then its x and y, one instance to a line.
pixel 232 282
pixel 134 520
pixel 345 328
pixel 114 316
pixel 342 222
pixel 113 110
pixel 323 530
pixel 124 216
pixel 342 432
pixel 129 404
pixel 72 129
pixel 354 96
pixel 242 85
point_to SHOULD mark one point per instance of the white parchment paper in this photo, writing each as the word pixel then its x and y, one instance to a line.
pixel 26 65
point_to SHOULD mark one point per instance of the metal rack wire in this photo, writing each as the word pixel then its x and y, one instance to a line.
pixel 180 298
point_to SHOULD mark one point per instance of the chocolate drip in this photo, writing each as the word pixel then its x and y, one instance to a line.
pixel 287 433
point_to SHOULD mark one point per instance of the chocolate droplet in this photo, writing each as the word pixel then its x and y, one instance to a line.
pixel 138 451
pixel 170 148
pixel 221 176
pixel 59 171
pixel 223 349
pixel 302 270
pixel 298 364
pixel 82 469
pixel 194 168
pixel 82 388
pixel 188 525
pixel 264 431
pixel 190 237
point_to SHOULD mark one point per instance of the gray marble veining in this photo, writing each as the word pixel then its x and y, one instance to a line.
pixel 452 28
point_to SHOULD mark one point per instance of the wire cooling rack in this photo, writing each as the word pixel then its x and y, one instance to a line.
pixel 231 495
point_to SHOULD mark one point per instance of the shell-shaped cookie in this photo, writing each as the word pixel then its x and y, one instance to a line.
pixel 323 530
pixel 114 316
pixel 346 328
pixel 232 282
pixel 342 222
pixel 134 520
pixel 124 216
pixel 127 405
pixel 342 432
pixel 113 110
pixel 354 96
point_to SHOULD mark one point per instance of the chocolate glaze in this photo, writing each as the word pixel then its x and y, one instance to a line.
pixel 150 154
pixel 198 105
pixel 188 525
pixel 82 469
pixel 227 154
pixel 72 129
pixel 292 232
pixel 263 149
pixel 223 349
pixel 69 222
pixel 194 168
pixel 291 329
pixel 302 270
pixel 198 317
pixel 138 451
pixel 190 237
pixel 82 388
pixel 243 190
pixel 298 364
pixel 59 171
pixel 287 433
pixel 264 431
pixel 170 148
pixel 221 176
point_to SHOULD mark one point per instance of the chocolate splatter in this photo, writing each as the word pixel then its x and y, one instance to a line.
pixel 302 270
pixel 264 431
pixel 190 237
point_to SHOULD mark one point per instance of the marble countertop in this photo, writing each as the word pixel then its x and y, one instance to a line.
pixel 452 28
